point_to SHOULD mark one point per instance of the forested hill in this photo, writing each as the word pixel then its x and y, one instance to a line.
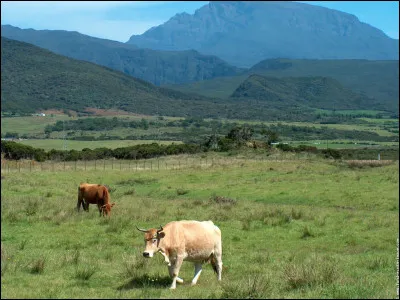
pixel 316 92
pixel 378 80
pixel 33 78
pixel 157 67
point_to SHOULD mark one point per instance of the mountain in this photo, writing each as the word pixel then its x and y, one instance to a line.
pixel 157 67
pixel 246 32
pixel 33 79
pixel 378 80
pixel 289 92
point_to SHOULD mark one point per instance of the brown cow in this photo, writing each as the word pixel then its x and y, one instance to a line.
pixel 106 209
pixel 193 241
pixel 93 194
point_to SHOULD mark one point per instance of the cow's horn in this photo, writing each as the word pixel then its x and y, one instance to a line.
pixel 144 230
pixel 161 229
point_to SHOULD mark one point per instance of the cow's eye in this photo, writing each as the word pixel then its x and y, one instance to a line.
pixel 154 241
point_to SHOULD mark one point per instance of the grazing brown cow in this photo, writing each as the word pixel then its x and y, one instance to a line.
pixel 193 241
pixel 106 209
pixel 93 194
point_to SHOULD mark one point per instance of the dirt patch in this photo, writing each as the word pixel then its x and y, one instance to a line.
pixel 111 112
pixel 59 112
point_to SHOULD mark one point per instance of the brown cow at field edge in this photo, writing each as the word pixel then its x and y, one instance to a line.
pixel 93 194
pixel 179 241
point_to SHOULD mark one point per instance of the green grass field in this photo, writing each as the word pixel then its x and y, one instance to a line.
pixel 305 228
pixel 48 144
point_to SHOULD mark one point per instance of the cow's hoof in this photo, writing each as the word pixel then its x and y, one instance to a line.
pixel 172 288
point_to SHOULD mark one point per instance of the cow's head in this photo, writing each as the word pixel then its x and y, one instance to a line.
pixel 106 209
pixel 152 239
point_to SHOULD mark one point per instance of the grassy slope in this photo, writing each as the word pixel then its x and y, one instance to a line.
pixel 326 236
pixel 47 144
pixel 46 80
pixel 317 92
pixel 377 79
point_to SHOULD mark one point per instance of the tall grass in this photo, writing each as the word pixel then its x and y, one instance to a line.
pixel 290 229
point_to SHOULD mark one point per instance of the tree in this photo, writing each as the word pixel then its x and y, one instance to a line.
pixel 271 136
pixel 240 135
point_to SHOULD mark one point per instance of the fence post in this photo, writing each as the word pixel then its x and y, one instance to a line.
pixel 19 167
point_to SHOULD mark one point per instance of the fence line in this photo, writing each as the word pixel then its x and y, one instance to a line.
pixel 154 164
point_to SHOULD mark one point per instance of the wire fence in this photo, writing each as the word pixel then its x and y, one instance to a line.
pixel 154 164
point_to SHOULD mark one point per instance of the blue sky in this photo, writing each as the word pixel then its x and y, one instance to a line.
pixel 118 20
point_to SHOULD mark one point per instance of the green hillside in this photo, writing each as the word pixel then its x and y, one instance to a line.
pixel 377 80
pixel 34 79
pixel 157 67
pixel 316 92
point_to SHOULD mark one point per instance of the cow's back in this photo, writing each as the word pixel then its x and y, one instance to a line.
pixel 197 239
pixel 91 191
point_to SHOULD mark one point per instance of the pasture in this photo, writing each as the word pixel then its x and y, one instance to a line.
pixel 304 228
pixel 58 144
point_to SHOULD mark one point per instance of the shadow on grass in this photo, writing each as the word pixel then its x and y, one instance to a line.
pixel 145 281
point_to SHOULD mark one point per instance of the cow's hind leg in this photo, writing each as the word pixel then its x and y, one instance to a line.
pixel 197 272
pixel 174 272
pixel 216 262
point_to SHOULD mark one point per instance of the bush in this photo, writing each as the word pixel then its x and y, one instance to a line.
pixel 331 153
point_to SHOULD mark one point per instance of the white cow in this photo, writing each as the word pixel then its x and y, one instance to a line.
pixel 193 241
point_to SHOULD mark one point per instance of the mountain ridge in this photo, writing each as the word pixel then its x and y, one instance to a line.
pixel 246 32
pixel 157 67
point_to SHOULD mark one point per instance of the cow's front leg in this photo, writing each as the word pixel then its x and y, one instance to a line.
pixel 174 272
pixel 197 272
pixel 166 259
pixel 100 209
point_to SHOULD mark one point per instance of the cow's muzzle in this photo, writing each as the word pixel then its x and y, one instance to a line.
pixel 147 254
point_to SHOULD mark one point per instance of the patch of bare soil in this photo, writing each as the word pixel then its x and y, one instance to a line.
pixel 111 112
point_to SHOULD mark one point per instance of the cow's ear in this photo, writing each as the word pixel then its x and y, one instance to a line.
pixel 161 235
